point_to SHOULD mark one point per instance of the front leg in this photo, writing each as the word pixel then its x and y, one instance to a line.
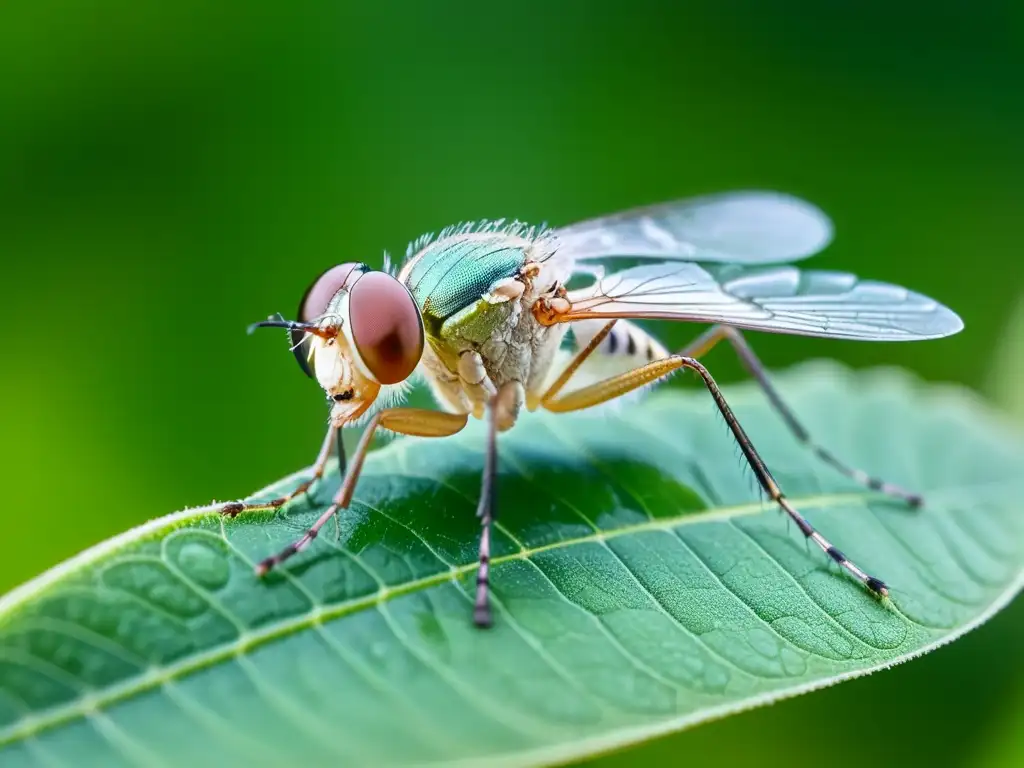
pixel 407 421
pixel 234 508
pixel 475 382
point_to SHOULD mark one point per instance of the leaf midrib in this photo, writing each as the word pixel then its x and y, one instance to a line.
pixel 158 676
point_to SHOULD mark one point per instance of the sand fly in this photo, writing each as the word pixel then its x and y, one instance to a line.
pixel 500 316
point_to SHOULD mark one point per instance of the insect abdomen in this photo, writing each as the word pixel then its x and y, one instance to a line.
pixel 453 273
pixel 626 341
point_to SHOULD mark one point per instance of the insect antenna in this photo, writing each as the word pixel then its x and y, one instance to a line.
pixel 277 321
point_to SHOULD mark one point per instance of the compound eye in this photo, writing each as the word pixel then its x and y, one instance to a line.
pixel 387 329
pixel 315 301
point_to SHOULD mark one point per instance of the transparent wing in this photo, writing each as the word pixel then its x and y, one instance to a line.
pixel 780 299
pixel 736 227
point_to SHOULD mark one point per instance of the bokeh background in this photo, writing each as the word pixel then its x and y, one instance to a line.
pixel 172 171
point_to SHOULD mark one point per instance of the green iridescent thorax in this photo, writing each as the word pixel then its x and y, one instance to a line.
pixel 454 272
pixel 448 280
pixel 449 277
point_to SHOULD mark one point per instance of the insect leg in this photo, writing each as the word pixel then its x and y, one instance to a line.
pixel 485 511
pixel 342 458
pixel 558 384
pixel 407 421
pixel 707 340
pixel 234 508
pixel 615 386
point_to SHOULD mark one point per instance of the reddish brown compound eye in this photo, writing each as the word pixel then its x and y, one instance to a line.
pixel 386 327
pixel 315 301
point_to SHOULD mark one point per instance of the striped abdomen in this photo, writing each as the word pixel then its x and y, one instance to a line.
pixel 629 345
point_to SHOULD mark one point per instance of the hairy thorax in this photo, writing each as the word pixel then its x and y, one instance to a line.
pixel 483 339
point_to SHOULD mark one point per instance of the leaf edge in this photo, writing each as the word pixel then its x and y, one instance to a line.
pixel 621 738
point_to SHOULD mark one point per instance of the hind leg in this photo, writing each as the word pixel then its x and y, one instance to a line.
pixel 706 342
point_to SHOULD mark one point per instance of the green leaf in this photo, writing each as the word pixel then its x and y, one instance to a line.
pixel 641 587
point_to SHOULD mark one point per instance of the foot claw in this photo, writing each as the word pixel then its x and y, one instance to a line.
pixel 878 586
pixel 482 616
pixel 232 508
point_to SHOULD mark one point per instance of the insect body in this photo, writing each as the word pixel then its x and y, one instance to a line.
pixel 482 312
pixel 475 288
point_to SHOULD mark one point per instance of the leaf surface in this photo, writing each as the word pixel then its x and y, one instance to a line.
pixel 641 586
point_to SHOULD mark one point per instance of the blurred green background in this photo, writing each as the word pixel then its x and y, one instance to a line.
pixel 172 171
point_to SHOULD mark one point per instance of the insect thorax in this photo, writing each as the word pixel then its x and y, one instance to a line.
pixel 465 284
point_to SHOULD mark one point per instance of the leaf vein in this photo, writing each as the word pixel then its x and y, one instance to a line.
pixel 628 655
pixel 739 599
pixel 154 676
pixel 528 726
pixel 803 589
